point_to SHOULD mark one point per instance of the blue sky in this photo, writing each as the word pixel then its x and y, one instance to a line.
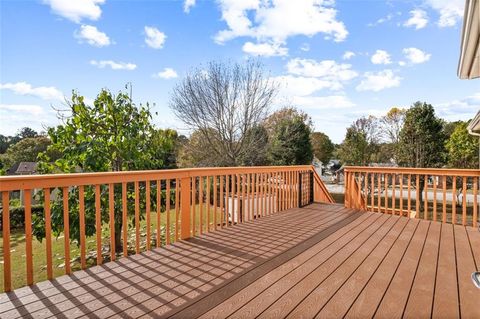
pixel 336 60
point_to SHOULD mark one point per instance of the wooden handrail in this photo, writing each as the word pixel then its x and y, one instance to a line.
pixel 414 170
pixel 436 192
pixel 183 200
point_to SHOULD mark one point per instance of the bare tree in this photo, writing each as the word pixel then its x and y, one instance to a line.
pixel 223 103
pixel 392 124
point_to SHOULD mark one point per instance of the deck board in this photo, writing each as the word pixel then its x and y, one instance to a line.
pixel 321 260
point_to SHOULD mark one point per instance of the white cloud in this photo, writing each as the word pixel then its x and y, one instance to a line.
pixel 348 55
pixel 265 49
pixel 43 92
pixel 323 102
pixel 415 55
pixel 92 36
pixel 305 47
pixel 290 85
pixel 381 20
pixel 377 81
pixel 381 57
pixel 154 38
pixel 402 63
pixel 418 19
pixel 461 109
pixel 450 11
pixel 275 21
pixel 76 10
pixel 167 73
pixel 113 65
pixel 187 5
pixel 327 69
pixel 30 109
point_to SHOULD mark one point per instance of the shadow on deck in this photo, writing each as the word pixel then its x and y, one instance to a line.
pixel 317 261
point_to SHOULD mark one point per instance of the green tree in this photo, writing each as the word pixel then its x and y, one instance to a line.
pixel 290 142
pixel 322 147
pixel 462 148
pixel 27 150
pixel 422 138
pixel 362 142
pixel 355 148
pixel 111 135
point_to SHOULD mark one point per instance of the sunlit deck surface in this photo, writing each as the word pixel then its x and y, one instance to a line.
pixel 317 261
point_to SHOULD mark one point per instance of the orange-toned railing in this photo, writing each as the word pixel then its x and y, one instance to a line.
pixel 447 195
pixel 168 205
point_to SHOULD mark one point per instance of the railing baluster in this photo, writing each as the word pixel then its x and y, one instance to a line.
pixel 167 209
pixel 239 211
pixel 464 201
pixel 222 211
pixel 159 213
pixel 66 233
pixel 147 213
pixel 379 192
pixel 394 190
pixel 48 234
pixel 417 201
pixel 7 268
pixel 215 202
pixel 81 216
pixel 194 206
pixel 401 195
pixel 200 202
pixel 444 202
pixel 227 203
pixel 435 181
pixel 425 200
pixel 208 203
pixel 454 200
pixel 124 220
pixel 111 210
pixel 386 193
pixel 475 203
pixel 409 189
pixel 98 224
pixel 372 191
pixel 177 207
pixel 248 198
pixel 137 218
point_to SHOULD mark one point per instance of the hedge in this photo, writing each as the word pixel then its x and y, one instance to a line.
pixel 17 216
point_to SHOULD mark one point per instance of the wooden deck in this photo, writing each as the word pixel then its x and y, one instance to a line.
pixel 317 261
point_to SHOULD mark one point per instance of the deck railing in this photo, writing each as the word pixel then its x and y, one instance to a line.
pixel 447 195
pixel 154 208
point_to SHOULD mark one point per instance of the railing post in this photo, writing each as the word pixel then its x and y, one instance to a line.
pixel 185 207
pixel 346 189
pixel 299 189
pixel 311 188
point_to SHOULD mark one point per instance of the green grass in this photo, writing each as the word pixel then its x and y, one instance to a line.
pixel 17 248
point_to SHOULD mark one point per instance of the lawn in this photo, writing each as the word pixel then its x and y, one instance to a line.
pixel 17 248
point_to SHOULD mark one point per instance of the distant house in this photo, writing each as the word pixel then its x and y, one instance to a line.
pixel 23 168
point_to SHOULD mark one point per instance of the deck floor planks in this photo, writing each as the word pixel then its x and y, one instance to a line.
pixel 469 304
pixel 420 300
pixel 445 303
pixel 296 294
pixel 366 303
pixel 270 295
pixel 376 246
pixel 396 294
pixel 177 304
pixel 125 272
pixel 368 287
pixel 318 252
pixel 175 290
pixel 339 257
